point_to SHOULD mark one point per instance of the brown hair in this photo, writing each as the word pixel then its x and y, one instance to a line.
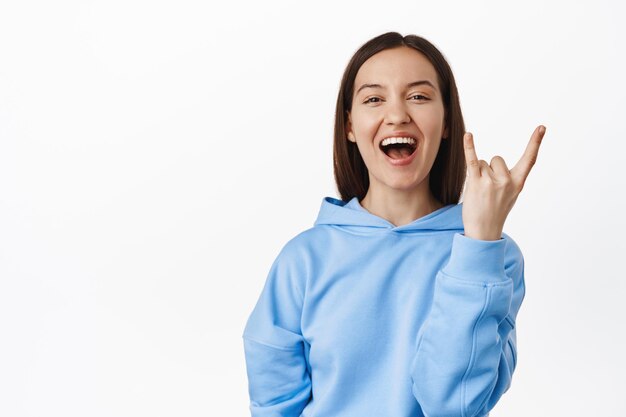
pixel 447 174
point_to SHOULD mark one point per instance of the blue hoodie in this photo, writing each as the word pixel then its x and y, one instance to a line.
pixel 361 318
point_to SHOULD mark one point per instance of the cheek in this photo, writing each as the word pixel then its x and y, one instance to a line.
pixel 364 121
pixel 431 119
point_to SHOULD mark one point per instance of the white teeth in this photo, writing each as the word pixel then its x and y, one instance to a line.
pixel 389 141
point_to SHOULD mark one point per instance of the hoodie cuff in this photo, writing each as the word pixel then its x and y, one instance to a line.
pixel 480 261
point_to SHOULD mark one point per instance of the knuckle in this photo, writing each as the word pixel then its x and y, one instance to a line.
pixel 505 182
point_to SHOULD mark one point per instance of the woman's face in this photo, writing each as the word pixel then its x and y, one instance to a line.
pixel 396 94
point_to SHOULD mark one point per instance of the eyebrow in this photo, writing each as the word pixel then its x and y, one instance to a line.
pixel 413 84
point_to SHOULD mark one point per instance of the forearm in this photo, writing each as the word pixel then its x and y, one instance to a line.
pixel 463 361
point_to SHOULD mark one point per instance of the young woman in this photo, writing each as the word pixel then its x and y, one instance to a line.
pixel 400 301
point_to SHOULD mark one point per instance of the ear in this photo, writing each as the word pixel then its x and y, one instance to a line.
pixel 349 132
pixel 445 130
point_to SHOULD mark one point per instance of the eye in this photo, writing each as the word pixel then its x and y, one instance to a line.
pixel 419 95
pixel 371 98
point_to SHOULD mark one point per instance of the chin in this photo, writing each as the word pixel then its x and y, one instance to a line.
pixel 404 186
pixel 404 182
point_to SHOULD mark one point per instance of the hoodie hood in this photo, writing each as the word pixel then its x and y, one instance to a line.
pixel 352 215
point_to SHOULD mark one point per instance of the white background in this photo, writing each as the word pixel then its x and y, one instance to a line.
pixel 156 155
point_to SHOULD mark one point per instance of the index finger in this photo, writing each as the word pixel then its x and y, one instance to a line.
pixel 470 155
pixel 529 158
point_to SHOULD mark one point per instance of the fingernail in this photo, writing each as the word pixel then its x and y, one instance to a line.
pixel 542 129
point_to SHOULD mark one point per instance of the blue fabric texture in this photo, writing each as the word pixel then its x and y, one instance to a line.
pixel 359 317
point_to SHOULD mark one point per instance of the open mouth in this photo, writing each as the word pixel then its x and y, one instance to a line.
pixel 398 148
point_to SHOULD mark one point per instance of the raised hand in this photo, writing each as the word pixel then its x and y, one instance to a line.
pixel 492 189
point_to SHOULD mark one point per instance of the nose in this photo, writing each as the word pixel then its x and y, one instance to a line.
pixel 397 113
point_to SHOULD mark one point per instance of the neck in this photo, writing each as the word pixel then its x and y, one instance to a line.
pixel 400 207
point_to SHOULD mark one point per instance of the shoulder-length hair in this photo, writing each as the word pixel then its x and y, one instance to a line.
pixel 447 175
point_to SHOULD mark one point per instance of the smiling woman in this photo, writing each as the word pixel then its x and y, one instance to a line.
pixel 399 301
pixel 396 107
pixel 401 84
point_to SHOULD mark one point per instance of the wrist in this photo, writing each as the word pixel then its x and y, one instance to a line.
pixel 483 235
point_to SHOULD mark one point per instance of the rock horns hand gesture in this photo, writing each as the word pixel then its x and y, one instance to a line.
pixel 491 189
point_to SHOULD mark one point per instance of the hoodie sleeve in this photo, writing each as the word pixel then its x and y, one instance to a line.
pixel 279 381
pixel 466 350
